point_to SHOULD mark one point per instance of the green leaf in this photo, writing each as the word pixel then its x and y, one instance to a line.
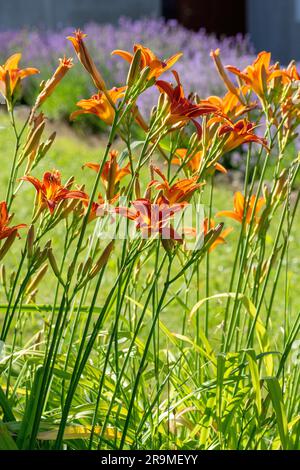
pixel 124 154
pixel 278 405
pixel 6 440
pixel 260 330
pixel 4 403
pixel 30 410
pixel 254 372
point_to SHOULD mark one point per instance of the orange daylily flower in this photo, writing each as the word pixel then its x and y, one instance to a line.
pixel 181 191
pixel 149 59
pixel 181 109
pixel 6 231
pixel 289 74
pixel 50 85
pixel 230 106
pixel 11 74
pixel 207 225
pixel 100 105
pixel 86 60
pixel 112 173
pixel 50 190
pixel 241 132
pixel 119 173
pixel 193 161
pixel 258 75
pixel 100 207
pixel 239 208
pixel 153 218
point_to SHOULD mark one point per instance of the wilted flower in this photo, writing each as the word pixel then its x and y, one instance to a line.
pixel 50 190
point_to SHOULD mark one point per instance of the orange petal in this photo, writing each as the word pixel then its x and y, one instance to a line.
pixel 13 61
pixel 124 54
pixel 230 214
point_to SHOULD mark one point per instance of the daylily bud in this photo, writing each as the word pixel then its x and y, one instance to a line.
pixel 212 235
pixel 102 260
pixel 71 270
pixel 69 207
pixel 43 255
pixel 30 241
pixel 53 263
pixel 33 142
pixel 134 69
pixel 193 141
pixel 8 242
pixel 281 186
pixel 266 192
pixel 137 187
pixel 50 85
pixel 3 275
pixel 110 192
pixel 37 279
pixel 153 114
pixel 86 60
pixel 143 77
pixel 168 245
pixel 79 270
pixel 43 149
pixel 223 74
pixel 12 278
pixel 162 102
pixel 87 266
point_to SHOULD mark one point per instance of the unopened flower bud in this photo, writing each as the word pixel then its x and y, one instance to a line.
pixel 86 60
pixel 37 279
pixel 223 74
pixel 134 69
pixel 168 245
pixel 143 77
pixel 3 275
pixel 53 262
pixel 137 187
pixel 8 242
pixel 281 186
pixel 87 266
pixel 50 85
pixel 102 260
pixel 33 141
pixel 30 241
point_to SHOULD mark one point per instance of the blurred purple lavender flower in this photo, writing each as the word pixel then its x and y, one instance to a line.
pixel 196 69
